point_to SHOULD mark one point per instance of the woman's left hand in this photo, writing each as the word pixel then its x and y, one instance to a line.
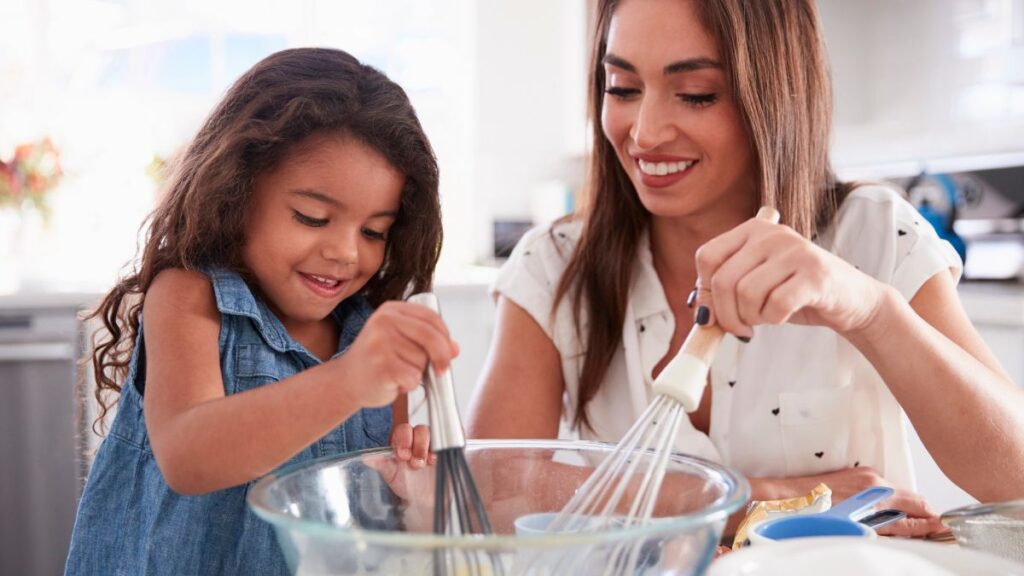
pixel 765 273
pixel 412 444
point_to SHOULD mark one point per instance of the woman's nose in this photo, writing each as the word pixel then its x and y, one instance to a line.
pixel 653 125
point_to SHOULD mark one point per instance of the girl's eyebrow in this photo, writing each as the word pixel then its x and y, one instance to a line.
pixel 335 203
pixel 688 65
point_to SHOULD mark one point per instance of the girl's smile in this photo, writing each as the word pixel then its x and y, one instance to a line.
pixel 317 230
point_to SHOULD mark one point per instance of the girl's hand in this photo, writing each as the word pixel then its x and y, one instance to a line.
pixel 765 273
pixel 392 351
pixel 412 444
pixel 921 520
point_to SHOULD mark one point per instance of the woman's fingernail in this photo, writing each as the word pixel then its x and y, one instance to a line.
pixel 404 454
pixel 744 339
pixel 692 298
pixel 703 315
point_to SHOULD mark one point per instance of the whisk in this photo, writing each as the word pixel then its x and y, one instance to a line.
pixel 458 508
pixel 647 443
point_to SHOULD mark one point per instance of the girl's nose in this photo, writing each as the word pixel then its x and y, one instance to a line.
pixel 652 126
pixel 343 249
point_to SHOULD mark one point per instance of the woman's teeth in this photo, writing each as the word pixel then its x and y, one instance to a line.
pixel 663 168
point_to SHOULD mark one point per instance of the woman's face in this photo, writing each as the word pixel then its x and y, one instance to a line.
pixel 669 113
pixel 317 229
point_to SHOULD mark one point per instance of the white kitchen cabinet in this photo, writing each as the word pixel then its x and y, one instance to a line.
pixel 40 434
pixel 918 83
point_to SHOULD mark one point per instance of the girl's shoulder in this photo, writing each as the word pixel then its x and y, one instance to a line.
pixel 180 303
pixel 187 290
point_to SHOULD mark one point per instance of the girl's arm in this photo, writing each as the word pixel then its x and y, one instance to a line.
pixel 520 392
pixel 205 441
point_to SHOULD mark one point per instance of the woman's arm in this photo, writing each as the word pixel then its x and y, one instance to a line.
pixel 967 411
pixel 520 392
pixel 965 408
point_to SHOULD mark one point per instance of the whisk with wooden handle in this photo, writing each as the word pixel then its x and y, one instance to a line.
pixel 643 452
pixel 458 507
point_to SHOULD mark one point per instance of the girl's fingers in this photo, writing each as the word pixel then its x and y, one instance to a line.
pixel 435 343
pixel 402 436
pixel 420 445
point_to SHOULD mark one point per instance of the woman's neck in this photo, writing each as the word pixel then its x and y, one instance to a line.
pixel 674 244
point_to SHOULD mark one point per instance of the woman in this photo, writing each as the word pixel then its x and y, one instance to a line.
pixel 702 112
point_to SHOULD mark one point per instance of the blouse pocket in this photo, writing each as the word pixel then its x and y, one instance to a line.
pixel 815 429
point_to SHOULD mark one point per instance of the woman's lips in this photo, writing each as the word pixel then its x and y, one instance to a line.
pixel 662 173
pixel 323 285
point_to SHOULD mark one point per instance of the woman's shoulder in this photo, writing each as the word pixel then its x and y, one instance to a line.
pixel 881 233
pixel 876 202
pixel 541 255
pixel 556 240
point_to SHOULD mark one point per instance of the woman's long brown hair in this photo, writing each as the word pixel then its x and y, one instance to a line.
pixel 778 72
pixel 272 108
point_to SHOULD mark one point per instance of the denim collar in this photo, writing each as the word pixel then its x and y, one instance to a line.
pixel 235 297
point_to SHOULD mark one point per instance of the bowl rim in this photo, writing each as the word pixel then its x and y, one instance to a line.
pixel 964 513
pixel 728 504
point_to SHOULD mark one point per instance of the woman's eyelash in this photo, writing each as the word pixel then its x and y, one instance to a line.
pixel 699 99
pixel 309 220
pixel 620 92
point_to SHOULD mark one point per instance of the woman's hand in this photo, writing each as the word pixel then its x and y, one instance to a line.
pixel 392 351
pixel 921 520
pixel 765 273
pixel 412 444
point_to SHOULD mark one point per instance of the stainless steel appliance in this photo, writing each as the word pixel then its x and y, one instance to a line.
pixel 40 468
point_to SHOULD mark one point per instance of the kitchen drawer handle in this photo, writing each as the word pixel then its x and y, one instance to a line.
pixel 36 351
pixel 8 322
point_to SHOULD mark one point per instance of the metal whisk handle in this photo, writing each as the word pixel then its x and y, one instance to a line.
pixel 442 410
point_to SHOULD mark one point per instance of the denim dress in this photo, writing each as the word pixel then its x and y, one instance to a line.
pixel 131 523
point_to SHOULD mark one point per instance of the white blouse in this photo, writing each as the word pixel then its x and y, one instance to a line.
pixel 796 400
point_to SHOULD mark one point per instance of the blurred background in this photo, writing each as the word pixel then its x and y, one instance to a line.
pixel 96 95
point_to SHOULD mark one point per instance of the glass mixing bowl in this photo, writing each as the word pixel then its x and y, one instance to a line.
pixel 996 527
pixel 367 513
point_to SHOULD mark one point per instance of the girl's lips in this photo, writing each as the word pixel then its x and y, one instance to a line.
pixel 321 289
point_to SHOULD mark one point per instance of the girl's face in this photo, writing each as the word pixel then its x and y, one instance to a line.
pixel 318 226
pixel 669 113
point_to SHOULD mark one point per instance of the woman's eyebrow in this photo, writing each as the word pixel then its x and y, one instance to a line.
pixel 688 65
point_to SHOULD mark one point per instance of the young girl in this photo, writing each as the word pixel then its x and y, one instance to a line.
pixel 845 314
pixel 264 323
